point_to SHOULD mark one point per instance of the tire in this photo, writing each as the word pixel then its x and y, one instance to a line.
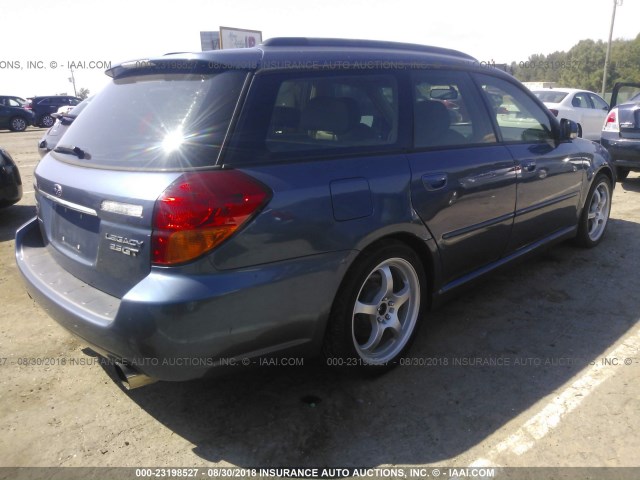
pixel 375 315
pixel 622 173
pixel 595 213
pixel 47 121
pixel 18 124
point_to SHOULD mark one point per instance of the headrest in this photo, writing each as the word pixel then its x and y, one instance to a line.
pixel 330 114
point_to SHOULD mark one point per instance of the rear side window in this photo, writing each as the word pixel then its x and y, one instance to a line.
pixel 159 122
pixel 328 112
pixel 581 100
pixel 519 118
pixel 550 97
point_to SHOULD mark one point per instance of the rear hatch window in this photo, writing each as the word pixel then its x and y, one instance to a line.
pixel 169 121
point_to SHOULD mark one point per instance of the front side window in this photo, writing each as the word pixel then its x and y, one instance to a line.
pixel 518 116
pixel 332 111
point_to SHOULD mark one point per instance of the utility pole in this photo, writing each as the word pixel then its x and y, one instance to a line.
pixel 72 79
pixel 606 58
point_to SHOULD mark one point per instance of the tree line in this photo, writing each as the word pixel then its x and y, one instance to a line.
pixel 582 66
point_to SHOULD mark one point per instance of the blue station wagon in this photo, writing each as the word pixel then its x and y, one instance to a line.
pixel 304 197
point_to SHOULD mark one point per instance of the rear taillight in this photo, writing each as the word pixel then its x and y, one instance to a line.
pixel 554 111
pixel 611 123
pixel 200 210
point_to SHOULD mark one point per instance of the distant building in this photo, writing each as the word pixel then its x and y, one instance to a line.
pixel 229 37
pixel 210 41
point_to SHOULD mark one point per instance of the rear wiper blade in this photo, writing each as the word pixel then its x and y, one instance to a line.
pixel 77 151
pixel 67 119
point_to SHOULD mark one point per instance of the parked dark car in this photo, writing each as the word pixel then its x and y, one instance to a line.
pixel 44 107
pixel 303 196
pixel 14 115
pixel 10 181
pixel 62 122
pixel 621 130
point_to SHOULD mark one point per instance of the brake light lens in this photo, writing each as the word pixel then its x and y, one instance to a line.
pixel 611 123
pixel 199 211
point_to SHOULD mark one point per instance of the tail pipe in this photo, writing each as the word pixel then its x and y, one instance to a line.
pixel 130 378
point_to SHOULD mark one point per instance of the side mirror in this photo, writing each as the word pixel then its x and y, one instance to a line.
pixel 568 129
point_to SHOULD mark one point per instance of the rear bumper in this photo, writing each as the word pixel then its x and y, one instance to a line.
pixel 625 152
pixel 179 327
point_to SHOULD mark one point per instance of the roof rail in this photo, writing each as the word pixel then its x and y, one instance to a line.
pixel 355 43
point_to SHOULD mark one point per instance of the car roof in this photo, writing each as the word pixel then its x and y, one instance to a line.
pixel 53 96
pixel 562 90
pixel 309 54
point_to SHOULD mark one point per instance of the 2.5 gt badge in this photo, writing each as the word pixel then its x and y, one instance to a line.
pixel 124 245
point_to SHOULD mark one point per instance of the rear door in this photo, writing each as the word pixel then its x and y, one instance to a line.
pixel 590 119
pixel 97 190
pixel 463 183
pixel 550 173
pixel 601 109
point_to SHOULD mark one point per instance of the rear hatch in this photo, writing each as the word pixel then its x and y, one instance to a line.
pixel 626 100
pixel 97 190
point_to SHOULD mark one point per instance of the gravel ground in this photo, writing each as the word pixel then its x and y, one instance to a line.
pixel 562 325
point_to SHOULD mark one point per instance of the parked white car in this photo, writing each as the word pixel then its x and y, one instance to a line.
pixel 585 108
pixel 63 110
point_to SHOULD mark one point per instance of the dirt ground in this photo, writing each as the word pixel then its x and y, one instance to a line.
pixel 566 391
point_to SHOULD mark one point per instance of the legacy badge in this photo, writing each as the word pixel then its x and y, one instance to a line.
pixel 124 245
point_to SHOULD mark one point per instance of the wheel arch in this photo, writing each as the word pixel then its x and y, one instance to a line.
pixel 424 249
pixel 606 170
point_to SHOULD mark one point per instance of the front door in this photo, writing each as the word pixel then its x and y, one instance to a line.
pixel 463 183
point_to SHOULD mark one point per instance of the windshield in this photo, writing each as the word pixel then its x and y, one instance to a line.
pixel 159 122
pixel 550 97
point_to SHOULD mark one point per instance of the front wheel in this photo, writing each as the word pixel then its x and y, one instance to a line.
pixel 18 124
pixel 595 214
pixel 375 315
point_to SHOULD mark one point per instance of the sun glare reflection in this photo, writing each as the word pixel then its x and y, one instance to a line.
pixel 173 140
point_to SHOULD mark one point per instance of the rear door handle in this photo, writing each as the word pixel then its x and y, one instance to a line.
pixel 434 181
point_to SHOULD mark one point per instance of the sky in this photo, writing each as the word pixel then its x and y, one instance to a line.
pixel 40 38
